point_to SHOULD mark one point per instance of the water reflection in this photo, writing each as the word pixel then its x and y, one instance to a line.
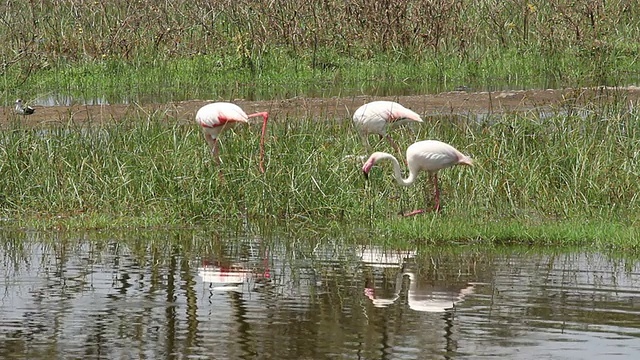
pixel 167 297
pixel 226 275
pixel 383 274
pixel 67 100
pixel 429 293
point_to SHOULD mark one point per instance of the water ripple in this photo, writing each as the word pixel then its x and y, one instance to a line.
pixel 247 299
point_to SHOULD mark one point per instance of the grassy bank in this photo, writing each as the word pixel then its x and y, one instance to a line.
pixel 133 50
pixel 569 178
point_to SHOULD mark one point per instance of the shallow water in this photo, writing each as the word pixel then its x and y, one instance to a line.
pixel 194 295
pixel 316 89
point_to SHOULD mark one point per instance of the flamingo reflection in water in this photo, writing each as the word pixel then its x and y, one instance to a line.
pixel 225 276
pixel 429 296
pixel 423 294
pixel 381 262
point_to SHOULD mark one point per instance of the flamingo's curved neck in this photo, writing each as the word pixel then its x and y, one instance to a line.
pixel 397 172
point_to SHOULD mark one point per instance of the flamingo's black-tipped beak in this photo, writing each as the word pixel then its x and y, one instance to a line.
pixel 366 175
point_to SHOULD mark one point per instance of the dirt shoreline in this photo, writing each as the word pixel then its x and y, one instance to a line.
pixel 455 102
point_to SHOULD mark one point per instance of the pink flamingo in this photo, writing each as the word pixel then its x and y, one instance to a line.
pixel 427 155
pixel 217 117
pixel 377 117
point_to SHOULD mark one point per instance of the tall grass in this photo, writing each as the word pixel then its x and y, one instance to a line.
pixel 257 48
pixel 573 167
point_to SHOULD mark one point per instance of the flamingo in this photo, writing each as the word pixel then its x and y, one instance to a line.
pixel 21 109
pixel 426 155
pixel 377 117
pixel 217 117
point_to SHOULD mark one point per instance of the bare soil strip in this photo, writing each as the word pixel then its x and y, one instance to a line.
pixel 449 103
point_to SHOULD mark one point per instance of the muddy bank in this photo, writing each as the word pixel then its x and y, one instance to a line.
pixel 456 102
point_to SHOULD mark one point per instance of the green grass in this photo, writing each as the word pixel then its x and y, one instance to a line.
pixel 136 51
pixel 444 230
pixel 285 76
pixel 563 179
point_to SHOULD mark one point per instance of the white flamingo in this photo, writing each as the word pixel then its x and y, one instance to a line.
pixel 216 117
pixel 427 155
pixel 377 117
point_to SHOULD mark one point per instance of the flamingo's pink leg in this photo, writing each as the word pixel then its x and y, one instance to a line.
pixel 436 208
pixel 393 144
pixel 395 147
pixel 414 212
pixel 213 143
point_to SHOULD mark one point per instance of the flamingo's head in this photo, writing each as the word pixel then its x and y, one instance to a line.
pixel 465 160
pixel 368 165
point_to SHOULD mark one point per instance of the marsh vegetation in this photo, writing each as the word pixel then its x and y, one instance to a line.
pixel 569 176
pixel 532 173
pixel 136 50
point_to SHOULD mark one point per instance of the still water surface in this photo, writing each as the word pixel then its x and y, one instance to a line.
pixel 199 296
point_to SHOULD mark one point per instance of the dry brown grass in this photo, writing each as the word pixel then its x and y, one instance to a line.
pixel 40 34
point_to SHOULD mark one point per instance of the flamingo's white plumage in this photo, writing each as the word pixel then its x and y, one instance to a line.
pixel 216 117
pixel 427 155
pixel 377 117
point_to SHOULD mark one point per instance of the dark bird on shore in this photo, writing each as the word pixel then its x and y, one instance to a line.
pixel 21 109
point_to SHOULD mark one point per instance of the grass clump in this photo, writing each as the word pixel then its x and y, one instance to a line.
pixel 566 178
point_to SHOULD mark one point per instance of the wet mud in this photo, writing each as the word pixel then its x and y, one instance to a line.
pixel 448 103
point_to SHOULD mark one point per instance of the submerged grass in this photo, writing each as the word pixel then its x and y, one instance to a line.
pixel 568 178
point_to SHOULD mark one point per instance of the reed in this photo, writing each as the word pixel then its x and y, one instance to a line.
pixel 561 177
pixel 266 49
